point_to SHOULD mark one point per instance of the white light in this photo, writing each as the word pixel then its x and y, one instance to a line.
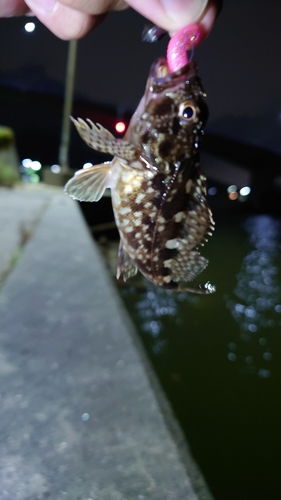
pixel 87 165
pixel 26 162
pixel 29 27
pixel 55 169
pixel 244 191
pixel 36 165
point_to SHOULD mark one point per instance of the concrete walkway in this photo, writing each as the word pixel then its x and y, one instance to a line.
pixel 81 417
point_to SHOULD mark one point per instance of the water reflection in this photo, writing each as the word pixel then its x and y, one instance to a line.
pixel 257 303
pixel 153 310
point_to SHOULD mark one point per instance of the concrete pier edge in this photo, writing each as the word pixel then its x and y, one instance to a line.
pixel 82 413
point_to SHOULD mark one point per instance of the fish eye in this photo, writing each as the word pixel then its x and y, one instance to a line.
pixel 187 112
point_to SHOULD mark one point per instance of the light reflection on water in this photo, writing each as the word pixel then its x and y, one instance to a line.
pixel 153 308
pixel 256 305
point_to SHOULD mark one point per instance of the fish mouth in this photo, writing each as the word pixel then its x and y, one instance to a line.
pixel 161 77
pixel 161 69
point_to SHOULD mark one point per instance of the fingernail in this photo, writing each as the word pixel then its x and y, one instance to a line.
pixel 189 9
pixel 43 5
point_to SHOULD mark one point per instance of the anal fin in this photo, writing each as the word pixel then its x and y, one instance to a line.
pixel 89 183
pixel 126 266
pixel 186 268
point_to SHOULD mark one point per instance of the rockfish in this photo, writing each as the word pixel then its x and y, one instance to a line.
pixel 157 187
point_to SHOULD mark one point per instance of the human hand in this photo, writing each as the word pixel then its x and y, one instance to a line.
pixel 72 19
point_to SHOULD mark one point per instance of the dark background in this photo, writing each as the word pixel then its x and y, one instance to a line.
pixel 239 64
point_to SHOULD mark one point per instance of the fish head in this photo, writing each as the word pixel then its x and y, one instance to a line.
pixel 169 120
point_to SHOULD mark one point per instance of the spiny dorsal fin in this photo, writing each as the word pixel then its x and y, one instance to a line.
pixel 89 183
pixel 100 139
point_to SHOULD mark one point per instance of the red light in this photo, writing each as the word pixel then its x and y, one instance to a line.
pixel 233 195
pixel 120 127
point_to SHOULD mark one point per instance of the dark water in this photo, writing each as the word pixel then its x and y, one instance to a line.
pixel 218 358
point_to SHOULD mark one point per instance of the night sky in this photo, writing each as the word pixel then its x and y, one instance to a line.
pixel 239 64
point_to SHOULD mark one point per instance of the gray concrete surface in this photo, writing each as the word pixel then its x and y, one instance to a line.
pixel 20 210
pixel 81 417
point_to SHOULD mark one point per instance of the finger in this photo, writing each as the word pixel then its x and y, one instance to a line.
pixel 170 14
pixel 173 15
pixel 11 8
pixel 97 7
pixel 64 22
pixel 208 17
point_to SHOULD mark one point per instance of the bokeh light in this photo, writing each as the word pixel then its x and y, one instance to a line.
pixel 29 27
pixel 120 127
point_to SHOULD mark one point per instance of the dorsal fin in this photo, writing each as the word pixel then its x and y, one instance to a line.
pixel 100 139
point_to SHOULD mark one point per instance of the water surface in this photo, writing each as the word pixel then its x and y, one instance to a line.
pixel 218 357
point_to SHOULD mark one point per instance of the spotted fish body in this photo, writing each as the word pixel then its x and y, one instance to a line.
pixel 158 189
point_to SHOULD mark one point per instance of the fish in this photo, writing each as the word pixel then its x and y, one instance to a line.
pixel 158 189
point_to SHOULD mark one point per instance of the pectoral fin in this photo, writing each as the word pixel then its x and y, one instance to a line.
pixel 100 139
pixel 89 183
pixel 126 266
